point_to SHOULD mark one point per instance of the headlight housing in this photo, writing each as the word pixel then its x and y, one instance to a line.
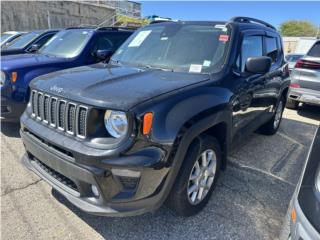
pixel 116 123
pixel 2 78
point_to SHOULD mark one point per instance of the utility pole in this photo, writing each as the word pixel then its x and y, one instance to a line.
pixel 49 21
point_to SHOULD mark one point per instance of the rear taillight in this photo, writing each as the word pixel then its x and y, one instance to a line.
pixel 307 64
pixel 295 85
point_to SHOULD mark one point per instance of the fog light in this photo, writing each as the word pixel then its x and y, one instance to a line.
pixel 95 191
pixel 128 178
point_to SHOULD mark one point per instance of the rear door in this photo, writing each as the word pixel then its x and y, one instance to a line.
pixel 307 69
pixel 273 81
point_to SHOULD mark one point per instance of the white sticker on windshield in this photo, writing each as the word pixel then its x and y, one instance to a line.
pixel 84 32
pixel 196 68
pixel 164 38
pixel 206 63
pixel 141 36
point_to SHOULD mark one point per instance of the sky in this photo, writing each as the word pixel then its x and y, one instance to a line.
pixel 272 12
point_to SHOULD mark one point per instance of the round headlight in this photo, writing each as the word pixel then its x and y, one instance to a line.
pixel 2 78
pixel 116 123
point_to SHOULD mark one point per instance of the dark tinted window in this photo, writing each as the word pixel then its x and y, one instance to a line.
pixel 251 47
pixel 44 39
pixel 272 48
pixel 315 50
pixel 110 41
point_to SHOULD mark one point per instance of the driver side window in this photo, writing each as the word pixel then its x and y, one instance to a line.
pixel 251 46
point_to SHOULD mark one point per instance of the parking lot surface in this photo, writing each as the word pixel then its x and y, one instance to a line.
pixel 250 201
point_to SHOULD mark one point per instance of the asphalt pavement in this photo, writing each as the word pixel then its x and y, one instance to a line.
pixel 250 201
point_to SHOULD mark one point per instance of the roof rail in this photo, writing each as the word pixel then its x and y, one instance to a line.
pixel 117 28
pixel 251 20
pixel 81 27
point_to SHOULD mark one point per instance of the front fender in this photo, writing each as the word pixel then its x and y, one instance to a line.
pixel 173 112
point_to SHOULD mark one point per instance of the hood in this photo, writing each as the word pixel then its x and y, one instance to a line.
pixel 113 87
pixel 27 60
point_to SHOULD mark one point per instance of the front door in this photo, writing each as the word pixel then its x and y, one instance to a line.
pixel 249 103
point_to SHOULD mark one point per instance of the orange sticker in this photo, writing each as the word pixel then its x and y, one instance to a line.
pixel 224 38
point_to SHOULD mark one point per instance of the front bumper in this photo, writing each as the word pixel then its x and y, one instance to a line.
pixel 128 185
pixel 304 95
pixel 302 228
pixel 11 111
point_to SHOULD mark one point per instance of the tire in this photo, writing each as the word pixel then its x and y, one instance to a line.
pixel 292 104
pixel 272 126
pixel 179 200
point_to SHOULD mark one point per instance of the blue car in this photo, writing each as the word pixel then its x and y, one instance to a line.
pixel 29 42
pixel 67 49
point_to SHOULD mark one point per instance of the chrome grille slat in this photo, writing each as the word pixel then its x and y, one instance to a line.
pixel 46 102
pixel 81 121
pixel 39 105
pixel 59 113
pixel 70 118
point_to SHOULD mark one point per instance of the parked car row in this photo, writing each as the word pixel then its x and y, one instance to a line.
pixel 49 51
pixel 156 122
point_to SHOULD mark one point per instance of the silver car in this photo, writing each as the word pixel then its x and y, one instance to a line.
pixel 305 204
pixel 292 59
pixel 305 79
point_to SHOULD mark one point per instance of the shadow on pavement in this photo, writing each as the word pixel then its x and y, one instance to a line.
pixel 309 111
pixel 10 129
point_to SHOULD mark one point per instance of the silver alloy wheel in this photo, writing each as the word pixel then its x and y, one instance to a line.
pixel 278 114
pixel 202 176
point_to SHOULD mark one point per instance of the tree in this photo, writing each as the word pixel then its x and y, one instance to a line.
pixel 295 28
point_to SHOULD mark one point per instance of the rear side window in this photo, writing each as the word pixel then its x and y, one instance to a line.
pixel 111 41
pixel 272 48
pixel 315 50
pixel 44 39
pixel 251 47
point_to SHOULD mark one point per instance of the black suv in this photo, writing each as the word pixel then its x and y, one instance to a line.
pixel 157 122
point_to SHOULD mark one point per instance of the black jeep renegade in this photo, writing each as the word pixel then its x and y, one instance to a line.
pixel 157 122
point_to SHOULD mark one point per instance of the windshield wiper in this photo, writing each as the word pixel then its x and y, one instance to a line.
pixel 158 68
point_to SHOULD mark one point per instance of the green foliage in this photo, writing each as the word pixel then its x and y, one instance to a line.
pixel 295 28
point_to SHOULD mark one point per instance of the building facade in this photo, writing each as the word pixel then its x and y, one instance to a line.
pixel 32 15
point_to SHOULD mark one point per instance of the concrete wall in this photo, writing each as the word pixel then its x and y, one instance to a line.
pixel 30 15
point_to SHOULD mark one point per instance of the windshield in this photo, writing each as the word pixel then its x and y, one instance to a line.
pixel 23 41
pixel 4 37
pixel 67 43
pixel 177 47
pixel 293 58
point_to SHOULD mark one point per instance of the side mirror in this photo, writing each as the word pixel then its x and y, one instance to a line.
pixel 34 48
pixel 258 64
pixel 104 54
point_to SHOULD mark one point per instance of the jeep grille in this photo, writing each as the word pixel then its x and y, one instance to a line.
pixel 59 113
